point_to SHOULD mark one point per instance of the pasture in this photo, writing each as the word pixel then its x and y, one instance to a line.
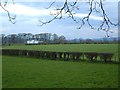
pixel 22 72
pixel 26 72
pixel 68 47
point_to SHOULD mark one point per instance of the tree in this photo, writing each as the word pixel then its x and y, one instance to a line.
pixel 88 41
pixel 2 38
pixel 62 39
pixel 13 38
pixel 70 9
pixel 55 38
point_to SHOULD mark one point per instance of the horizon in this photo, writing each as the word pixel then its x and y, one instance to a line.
pixel 65 37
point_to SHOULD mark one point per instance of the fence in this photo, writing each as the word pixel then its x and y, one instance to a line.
pixel 90 56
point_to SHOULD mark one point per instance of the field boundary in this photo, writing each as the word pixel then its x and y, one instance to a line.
pixel 77 56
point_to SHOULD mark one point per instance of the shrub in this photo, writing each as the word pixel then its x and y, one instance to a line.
pixel 60 54
pixel 24 52
pixel 106 56
pixel 54 55
pixel 91 55
pixel 66 55
pixel 76 55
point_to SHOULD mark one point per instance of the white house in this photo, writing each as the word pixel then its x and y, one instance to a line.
pixel 33 42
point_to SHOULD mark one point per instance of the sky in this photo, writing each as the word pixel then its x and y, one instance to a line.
pixel 29 13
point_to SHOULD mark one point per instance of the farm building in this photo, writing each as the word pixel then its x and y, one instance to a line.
pixel 33 42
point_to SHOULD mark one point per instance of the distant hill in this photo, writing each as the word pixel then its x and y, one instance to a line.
pixel 108 39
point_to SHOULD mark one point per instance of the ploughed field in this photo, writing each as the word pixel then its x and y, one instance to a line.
pixel 22 72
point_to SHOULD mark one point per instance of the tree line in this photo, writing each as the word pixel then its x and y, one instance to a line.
pixel 48 38
pixel 22 38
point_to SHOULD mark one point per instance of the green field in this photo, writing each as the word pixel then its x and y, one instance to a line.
pixel 21 72
pixel 0 71
pixel 69 47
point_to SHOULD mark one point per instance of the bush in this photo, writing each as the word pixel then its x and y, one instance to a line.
pixel 106 56
pixel 91 55
pixel 60 54
pixel 54 55
pixel 76 55
pixel 24 52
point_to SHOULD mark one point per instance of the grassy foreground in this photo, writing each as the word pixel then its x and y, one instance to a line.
pixel 21 72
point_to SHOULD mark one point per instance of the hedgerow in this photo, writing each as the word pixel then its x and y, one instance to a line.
pixel 91 56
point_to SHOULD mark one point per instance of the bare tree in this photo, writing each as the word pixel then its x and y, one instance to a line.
pixel 69 8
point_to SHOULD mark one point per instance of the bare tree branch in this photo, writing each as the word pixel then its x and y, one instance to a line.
pixel 51 5
pixel 96 6
pixel 11 18
pixel 67 8
pixel 106 21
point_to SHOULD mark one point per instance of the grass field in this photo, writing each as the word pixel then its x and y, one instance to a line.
pixel 69 47
pixel 0 71
pixel 21 72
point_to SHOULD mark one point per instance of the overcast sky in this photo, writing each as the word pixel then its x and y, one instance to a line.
pixel 29 13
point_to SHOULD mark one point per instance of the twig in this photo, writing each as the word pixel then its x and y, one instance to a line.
pixel 11 19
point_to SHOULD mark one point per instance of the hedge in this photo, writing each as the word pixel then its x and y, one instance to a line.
pixel 91 56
